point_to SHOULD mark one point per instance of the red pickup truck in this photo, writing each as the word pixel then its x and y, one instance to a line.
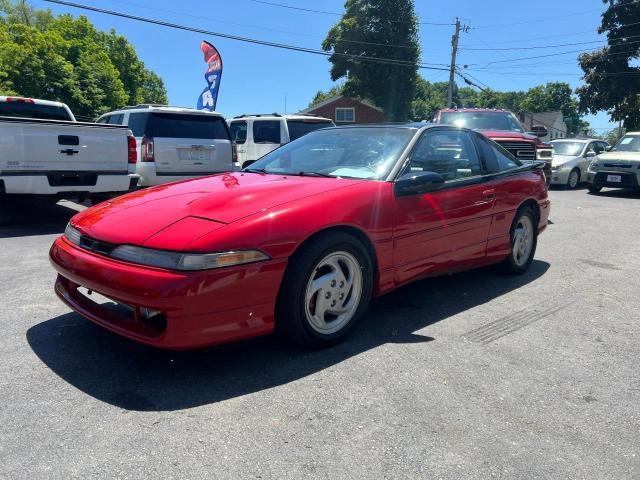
pixel 503 127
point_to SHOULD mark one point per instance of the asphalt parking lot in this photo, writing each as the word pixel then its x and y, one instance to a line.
pixel 476 375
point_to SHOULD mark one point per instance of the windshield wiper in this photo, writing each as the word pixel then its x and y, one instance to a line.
pixel 254 170
pixel 315 174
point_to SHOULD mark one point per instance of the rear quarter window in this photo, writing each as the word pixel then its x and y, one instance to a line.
pixel 298 128
pixel 137 123
pixel 188 126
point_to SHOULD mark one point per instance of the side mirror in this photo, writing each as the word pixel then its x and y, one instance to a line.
pixel 608 148
pixel 539 131
pixel 590 154
pixel 415 183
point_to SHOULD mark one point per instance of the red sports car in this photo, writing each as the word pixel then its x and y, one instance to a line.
pixel 303 239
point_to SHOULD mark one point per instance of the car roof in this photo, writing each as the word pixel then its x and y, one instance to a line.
pixel 36 101
pixel 162 109
pixel 581 140
pixel 277 116
pixel 411 125
pixel 480 110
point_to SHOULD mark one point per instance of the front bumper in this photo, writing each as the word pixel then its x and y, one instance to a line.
pixel 600 179
pixel 199 308
pixel 560 176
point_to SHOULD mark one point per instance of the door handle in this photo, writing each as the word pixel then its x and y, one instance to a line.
pixel 489 194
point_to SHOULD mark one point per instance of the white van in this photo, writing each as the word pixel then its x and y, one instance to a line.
pixel 257 135
pixel 175 143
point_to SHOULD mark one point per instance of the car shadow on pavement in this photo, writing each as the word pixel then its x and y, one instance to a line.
pixel 617 193
pixel 26 218
pixel 135 377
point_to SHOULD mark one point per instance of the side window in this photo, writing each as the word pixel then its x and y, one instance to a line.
pixel 592 147
pixel 115 119
pixel 599 147
pixel 266 131
pixel 451 153
pixel 104 119
pixel 238 132
pixel 138 123
pixel 496 158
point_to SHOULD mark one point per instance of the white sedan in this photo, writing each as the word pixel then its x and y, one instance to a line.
pixel 571 159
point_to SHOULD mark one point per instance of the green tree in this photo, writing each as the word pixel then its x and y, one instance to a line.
pixel 612 84
pixel 384 29
pixel 321 96
pixel 65 58
pixel 555 96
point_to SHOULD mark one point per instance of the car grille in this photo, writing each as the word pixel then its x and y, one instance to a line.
pixel 617 165
pixel 520 150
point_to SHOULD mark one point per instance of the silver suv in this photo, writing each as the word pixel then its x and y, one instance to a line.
pixel 618 167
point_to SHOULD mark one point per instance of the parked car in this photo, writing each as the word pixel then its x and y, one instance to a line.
pixel 302 239
pixel 571 160
pixel 175 143
pixel 46 152
pixel 503 127
pixel 618 167
pixel 257 135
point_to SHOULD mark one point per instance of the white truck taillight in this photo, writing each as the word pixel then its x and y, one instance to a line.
pixel 132 148
pixel 147 150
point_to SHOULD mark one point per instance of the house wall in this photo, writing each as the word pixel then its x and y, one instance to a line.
pixel 363 113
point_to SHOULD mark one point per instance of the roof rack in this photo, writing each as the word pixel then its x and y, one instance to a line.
pixel 258 115
pixel 143 105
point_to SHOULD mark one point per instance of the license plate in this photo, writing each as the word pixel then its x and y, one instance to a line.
pixel 614 178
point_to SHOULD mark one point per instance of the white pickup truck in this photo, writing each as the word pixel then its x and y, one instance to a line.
pixel 45 151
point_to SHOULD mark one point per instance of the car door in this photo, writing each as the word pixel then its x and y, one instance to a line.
pixel 447 229
pixel 267 136
pixel 588 155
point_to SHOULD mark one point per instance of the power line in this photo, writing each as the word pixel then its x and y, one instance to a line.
pixel 539 47
pixel 324 12
pixel 526 22
pixel 554 55
pixel 388 61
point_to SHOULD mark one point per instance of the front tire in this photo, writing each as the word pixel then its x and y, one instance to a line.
pixel 524 241
pixel 325 291
pixel 574 179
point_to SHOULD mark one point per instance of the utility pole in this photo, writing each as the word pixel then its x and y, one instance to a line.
pixel 454 53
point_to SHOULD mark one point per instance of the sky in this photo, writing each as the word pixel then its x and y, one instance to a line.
pixel 260 79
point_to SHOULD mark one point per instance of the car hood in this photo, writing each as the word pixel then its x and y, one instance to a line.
pixel 622 157
pixel 506 134
pixel 196 207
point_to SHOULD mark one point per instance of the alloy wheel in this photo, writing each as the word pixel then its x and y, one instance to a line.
pixel 333 292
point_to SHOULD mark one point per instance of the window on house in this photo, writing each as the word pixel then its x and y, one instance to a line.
pixel 345 114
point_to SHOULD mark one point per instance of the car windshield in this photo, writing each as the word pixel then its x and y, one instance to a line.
pixel 567 148
pixel 628 143
pixel 367 153
pixel 504 121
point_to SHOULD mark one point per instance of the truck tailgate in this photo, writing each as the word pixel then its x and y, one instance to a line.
pixel 40 146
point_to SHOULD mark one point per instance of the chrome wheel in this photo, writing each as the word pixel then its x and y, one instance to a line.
pixel 522 241
pixel 574 179
pixel 333 292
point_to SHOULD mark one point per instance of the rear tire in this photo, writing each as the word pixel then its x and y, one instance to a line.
pixel 325 291
pixel 524 241
pixel 594 189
